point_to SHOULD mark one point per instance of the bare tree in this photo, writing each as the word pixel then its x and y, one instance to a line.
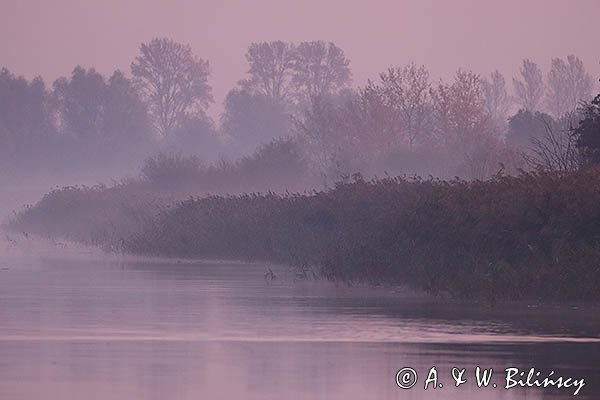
pixel 463 127
pixel 459 108
pixel 175 82
pixel 568 85
pixel 408 90
pixel 270 70
pixel 496 99
pixel 329 130
pixel 530 89
pixel 556 149
pixel 320 69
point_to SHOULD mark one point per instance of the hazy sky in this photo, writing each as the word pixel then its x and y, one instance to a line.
pixel 50 37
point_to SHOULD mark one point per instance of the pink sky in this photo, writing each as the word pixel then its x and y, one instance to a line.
pixel 50 37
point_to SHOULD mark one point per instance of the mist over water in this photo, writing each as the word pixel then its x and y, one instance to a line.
pixel 277 200
pixel 81 325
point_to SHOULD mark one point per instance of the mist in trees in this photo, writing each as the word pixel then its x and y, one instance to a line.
pixel 403 121
pixel 26 113
pixel 87 125
pixel 320 69
pixel 568 85
pixel 496 98
pixel 529 88
pixel 270 71
pixel 174 82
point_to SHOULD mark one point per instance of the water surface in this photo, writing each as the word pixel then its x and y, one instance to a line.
pixel 91 327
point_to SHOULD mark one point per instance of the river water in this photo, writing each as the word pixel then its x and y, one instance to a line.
pixel 85 326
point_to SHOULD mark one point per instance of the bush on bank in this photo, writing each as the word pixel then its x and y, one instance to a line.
pixel 536 235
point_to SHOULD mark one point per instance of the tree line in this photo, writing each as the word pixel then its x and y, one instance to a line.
pixel 403 121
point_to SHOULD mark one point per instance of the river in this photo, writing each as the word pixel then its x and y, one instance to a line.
pixel 78 325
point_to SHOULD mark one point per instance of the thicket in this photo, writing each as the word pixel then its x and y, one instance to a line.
pixel 536 235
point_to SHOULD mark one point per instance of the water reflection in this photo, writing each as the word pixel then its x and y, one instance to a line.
pixel 98 329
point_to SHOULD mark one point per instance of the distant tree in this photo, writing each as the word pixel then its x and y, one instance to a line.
pixel 24 106
pixel 329 131
pixel 408 90
pixel 463 127
pixel 196 135
pixel 568 85
pixel 459 107
pixel 587 133
pixel 81 100
pixel 91 107
pixel 270 71
pixel 175 82
pixel 320 69
pixel 556 148
pixel 126 118
pixel 396 111
pixel 26 124
pixel 99 117
pixel 253 118
pixel 530 89
pixel 172 171
pixel 496 99
pixel 525 126
pixel 278 164
pixel 375 118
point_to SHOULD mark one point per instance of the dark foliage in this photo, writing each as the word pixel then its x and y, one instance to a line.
pixel 277 165
pixel 588 133
pixel 532 236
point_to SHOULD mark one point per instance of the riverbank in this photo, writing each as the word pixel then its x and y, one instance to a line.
pixel 535 236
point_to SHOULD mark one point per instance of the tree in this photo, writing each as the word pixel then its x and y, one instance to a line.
pixel 496 99
pixel 252 118
pixel 544 143
pixel 568 85
pixel 459 107
pixel 396 111
pixel 587 133
pixel 556 149
pixel 525 126
pixel 464 129
pixel 95 109
pixel 320 69
pixel 270 70
pixel 408 90
pixel 530 89
pixel 25 118
pixel 125 119
pixel 329 131
pixel 100 117
pixel 81 99
pixel 24 106
pixel 196 135
pixel 174 80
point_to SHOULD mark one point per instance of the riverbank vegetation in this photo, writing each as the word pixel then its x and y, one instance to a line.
pixel 536 235
pixel 510 208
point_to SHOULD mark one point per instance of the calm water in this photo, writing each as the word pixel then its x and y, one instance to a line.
pixel 76 327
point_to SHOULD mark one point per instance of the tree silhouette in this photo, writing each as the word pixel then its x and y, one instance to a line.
pixel 588 133
pixel 270 70
pixel 320 68
pixel 568 84
pixel 530 89
pixel 175 82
